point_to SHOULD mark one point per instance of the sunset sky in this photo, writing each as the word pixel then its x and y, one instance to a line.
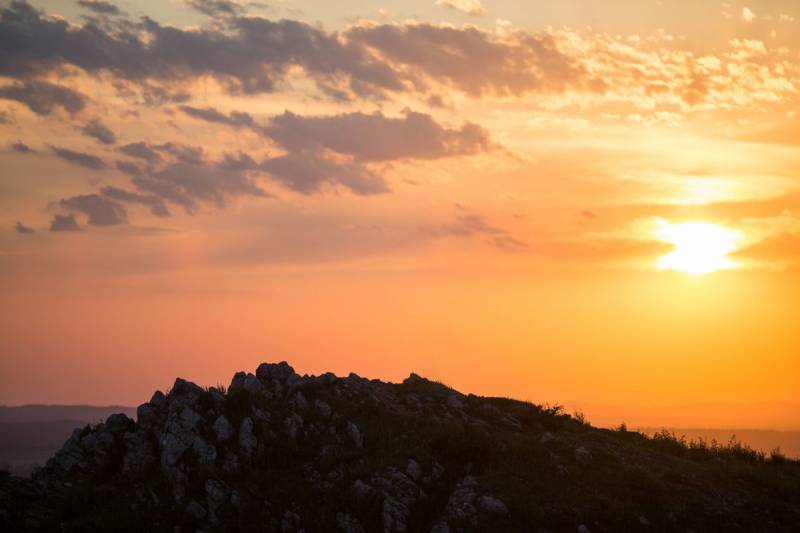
pixel 560 201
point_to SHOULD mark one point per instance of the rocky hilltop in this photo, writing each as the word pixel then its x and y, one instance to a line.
pixel 281 452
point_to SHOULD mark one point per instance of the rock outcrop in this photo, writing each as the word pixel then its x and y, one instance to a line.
pixel 281 452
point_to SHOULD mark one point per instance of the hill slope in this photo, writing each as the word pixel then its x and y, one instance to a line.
pixel 281 452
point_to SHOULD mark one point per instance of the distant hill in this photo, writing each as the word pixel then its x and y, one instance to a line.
pixel 55 413
pixel 281 452
pixel 31 434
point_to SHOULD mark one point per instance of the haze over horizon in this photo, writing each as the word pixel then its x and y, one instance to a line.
pixel 585 202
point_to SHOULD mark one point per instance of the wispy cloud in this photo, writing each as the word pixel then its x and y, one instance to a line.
pixel 470 7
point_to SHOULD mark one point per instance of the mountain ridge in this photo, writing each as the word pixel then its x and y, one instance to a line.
pixel 276 451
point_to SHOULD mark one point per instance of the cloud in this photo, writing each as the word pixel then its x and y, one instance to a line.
pixel 21 147
pixel 747 15
pixel 336 150
pixel 471 60
pixel 784 246
pixel 307 172
pixel 42 97
pixel 20 228
pixel 64 223
pixel 670 81
pixel 156 205
pixel 321 152
pixel 187 177
pixel 470 7
pixel 470 224
pixel 250 55
pixel 99 131
pixel 100 7
pixel 376 137
pixel 100 211
pixel 180 175
pixel 129 168
pixel 80 159
pixel 216 8
pixel 236 119
pixel 140 150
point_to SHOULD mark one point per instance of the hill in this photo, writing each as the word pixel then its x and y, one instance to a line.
pixel 281 452
pixel 31 434
pixel 10 414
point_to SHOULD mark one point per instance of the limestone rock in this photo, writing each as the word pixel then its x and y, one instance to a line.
pixel 355 435
pixel 247 439
pixel 223 429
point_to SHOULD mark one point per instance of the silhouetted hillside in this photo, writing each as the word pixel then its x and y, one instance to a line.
pixel 281 452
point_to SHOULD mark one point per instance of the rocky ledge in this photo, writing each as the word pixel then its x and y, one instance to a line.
pixel 281 452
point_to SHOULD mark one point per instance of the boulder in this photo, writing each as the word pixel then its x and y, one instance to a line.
pixel 247 439
pixel 355 435
pixel 280 372
pixel 223 429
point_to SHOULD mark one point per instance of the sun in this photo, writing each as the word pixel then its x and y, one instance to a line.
pixel 700 247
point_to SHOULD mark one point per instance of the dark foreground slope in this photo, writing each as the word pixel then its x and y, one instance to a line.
pixel 281 452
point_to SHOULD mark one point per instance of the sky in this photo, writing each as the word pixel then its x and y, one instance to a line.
pixel 584 201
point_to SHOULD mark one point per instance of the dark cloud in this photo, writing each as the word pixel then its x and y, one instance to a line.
pixel 101 211
pixel 140 150
pixel 368 137
pixel 236 119
pixel 183 175
pixel 188 183
pixel 100 7
pixel 20 228
pixel 99 131
pixel 309 172
pixel 216 8
pixel 471 60
pixel 250 55
pixel 156 205
pixel 375 137
pixel 64 223
pixel 80 159
pixel 41 97
pixel 21 147
pixel 334 151
pixel 182 152
pixel 129 168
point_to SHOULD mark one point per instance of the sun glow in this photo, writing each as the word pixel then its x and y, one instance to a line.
pixel 700 247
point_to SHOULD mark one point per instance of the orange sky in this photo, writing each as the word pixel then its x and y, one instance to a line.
pixel 480 192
